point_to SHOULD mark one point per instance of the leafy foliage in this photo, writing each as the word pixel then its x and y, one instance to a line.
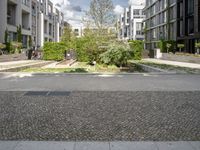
pixel 2 46
pixel 137 49
pixel 117 54
pixel 101 12
pixel 19 34
pixel 54 51
pixel 197 45
pixel 167 46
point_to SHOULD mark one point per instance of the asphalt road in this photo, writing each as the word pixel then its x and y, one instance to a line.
pixel 100 116
pixel 66 82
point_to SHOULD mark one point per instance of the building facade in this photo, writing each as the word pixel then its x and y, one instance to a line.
pixel 39 20
pixel 172 20
pixel 130 24
pixel 160 22
pixel 188 24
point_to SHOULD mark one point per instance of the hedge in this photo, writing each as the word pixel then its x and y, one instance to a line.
pixel 137 48
pixel 163 46
pixel 54 51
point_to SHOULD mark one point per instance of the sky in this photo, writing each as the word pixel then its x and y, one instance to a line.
pixel 74 10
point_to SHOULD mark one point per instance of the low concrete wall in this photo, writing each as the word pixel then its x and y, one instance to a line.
pixel 181 58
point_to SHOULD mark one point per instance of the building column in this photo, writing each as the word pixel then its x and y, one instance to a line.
pixel 41 30
pixel 3 18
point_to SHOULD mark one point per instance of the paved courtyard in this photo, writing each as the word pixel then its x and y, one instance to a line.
pixel 100 116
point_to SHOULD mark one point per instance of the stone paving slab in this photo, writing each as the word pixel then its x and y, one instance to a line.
pixel 120 145
pixel 92 146
pixel 133 146
pixel 174 63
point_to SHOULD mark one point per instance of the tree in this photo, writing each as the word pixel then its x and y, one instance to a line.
pixel 197 45
pixel 180 47
pixel 102 14
pixel 67 35
pixel 19 34
pixel 30 41
pixel 6 36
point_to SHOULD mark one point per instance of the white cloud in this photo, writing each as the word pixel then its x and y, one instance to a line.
pixel 63 2
pixel 70 14
pixel 118 9
pixel 136 2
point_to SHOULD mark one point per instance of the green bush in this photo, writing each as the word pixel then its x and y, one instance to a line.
pixel 117 54
pixel 197 45
pixel 2 46
pixel 54 51
pixel 16 47
pixel 9 48
pixel 167 46
pixel 137 49
pixel 82 55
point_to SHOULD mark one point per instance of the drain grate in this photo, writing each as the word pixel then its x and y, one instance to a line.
pixel 36 93
pixel 47 93
pixel 58 93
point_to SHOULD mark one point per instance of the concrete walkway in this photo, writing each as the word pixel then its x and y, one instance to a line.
pixel 30 145
pixel 20 64
pixel 174 63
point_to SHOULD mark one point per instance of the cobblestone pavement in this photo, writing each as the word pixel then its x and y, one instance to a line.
pixel 100 116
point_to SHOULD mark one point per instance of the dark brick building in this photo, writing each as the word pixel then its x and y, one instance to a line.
pixel 188 24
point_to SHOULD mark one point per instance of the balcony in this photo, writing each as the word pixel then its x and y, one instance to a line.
pixel 26 3
pixel 11 14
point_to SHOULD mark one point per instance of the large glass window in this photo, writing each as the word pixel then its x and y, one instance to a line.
pixel 190 7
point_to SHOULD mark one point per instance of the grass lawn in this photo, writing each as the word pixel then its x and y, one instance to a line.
pixel 83 67
pixel 55 70
pixel 172 68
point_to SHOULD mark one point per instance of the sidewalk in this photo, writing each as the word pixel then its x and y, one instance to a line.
pixel 12 65
pixel 30 145
pixel 13 57
pixel 174 63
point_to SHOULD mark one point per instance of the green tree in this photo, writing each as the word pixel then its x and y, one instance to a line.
pixel 102 14
pixel 197 45
pixel 180 47
pixel 30 41
pixel 137 48
pixel 67 35
pixel 19 34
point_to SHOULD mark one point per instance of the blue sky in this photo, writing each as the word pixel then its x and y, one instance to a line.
pixel 74 10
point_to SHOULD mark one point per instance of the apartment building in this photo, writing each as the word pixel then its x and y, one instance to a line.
pixel 160 22
pixel 80 31
pixel 130 24
pixel 39 20
pixel 188 24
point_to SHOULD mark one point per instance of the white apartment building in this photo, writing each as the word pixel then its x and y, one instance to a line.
pixel 80 31
pixel 130 23
pixel 39 20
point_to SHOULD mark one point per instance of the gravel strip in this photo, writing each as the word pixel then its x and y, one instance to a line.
pixel 101 116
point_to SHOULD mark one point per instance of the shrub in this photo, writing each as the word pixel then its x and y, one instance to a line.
pixel 180 47
pixel 117 54
pixel 197 45
pixel 54 51
pixel 167 46
pixel 2 46
pixel 16 47
pixel 137 49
